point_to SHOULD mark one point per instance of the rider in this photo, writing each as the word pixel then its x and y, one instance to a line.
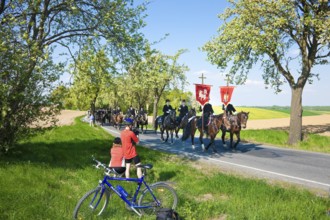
pixel 131 112
pixel 116 110
pixel 228 112
pixel 207 112
pixel 183 109
pixel 166 109
pixel 142 111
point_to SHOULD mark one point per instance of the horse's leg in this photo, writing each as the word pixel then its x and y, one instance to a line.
pixel 172 136
pixel 166 135
pixel 231 139
pixel 238 139
pixel 207 147
pixel 201 138
pixel 192 134
pixel 161 133
pixel 223 135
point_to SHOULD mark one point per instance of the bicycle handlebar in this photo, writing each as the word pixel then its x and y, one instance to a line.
pixel 99 164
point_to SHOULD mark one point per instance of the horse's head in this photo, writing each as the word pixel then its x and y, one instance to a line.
pixel 172 115
pixel 217 120
pixel 243 118
pixel 192 112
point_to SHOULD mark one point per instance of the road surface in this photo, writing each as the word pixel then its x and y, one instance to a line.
pixel 306 169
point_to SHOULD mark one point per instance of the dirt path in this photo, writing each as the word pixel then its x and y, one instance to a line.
pixel 312 124
pixel 67 116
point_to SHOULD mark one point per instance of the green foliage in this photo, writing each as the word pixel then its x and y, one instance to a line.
pixel 59 168
pixel 29 32
pixel 265 32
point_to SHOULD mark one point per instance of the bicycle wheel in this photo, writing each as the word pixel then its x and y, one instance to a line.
pixel 92 204
pixel 164 193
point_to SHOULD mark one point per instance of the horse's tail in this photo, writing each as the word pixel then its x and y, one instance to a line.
pixel 186 131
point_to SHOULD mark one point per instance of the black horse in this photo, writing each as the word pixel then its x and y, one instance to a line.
pixel 237 122
pixel 169 124
pixel 184 121
pixel 141 120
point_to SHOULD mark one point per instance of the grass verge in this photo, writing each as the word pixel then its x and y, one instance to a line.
pixel 45 176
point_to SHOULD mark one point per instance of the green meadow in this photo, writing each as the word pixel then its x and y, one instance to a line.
pixel 45 176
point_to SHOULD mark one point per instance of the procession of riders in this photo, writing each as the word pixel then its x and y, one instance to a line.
pixel 115 116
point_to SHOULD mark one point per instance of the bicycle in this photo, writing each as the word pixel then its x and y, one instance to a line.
pixel 152 198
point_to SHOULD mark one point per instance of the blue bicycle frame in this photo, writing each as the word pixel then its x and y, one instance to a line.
pixel 131 203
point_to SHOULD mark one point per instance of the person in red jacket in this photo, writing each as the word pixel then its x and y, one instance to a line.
pixel 129 139
pixel 117 162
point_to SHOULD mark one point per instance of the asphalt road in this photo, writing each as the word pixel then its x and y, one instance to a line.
pixel 307 169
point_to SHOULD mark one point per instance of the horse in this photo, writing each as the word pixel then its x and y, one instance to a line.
pixel 141 120
pixel 213 128
pixel 237 122
pixel 169 124
pixel 184 121
pixel 117 120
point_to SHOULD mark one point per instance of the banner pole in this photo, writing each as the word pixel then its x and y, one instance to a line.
pixel 202 122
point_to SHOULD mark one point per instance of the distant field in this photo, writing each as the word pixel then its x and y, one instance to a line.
pixel 271 112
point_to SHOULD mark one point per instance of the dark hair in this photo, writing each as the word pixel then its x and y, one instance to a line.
pixel 117 140
pixel 167 100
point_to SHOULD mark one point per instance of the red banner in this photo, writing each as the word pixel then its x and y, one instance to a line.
pixel 225 93
pixel 203 93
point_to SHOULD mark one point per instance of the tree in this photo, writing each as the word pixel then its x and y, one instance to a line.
pixel 30 30
pixel 163 72
pixel 92 74
pixel 266 31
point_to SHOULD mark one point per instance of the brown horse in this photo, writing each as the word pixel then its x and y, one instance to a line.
pixel 117 120
pixel 213 128
pixel 184 121
pixel 237 122
pixel 141 120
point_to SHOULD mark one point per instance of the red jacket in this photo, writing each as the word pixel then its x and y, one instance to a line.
pixel 117 156
pixel 127 136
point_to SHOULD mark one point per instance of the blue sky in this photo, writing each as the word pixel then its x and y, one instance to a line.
pixel 190 24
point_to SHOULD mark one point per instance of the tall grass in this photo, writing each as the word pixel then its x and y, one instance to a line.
pixel 44 177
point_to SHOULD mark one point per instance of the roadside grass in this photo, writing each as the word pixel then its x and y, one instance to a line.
pixel 45 176
pixel 279 138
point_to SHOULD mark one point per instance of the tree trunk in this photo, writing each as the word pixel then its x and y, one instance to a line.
pixel 154 115
pixel 295 133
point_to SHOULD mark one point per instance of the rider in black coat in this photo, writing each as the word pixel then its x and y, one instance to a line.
pixel 166 109
pixel 141 111
pixel 207 112
pixel 131 112
pixel 230 109
pixel 183 110
pixel 228 112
